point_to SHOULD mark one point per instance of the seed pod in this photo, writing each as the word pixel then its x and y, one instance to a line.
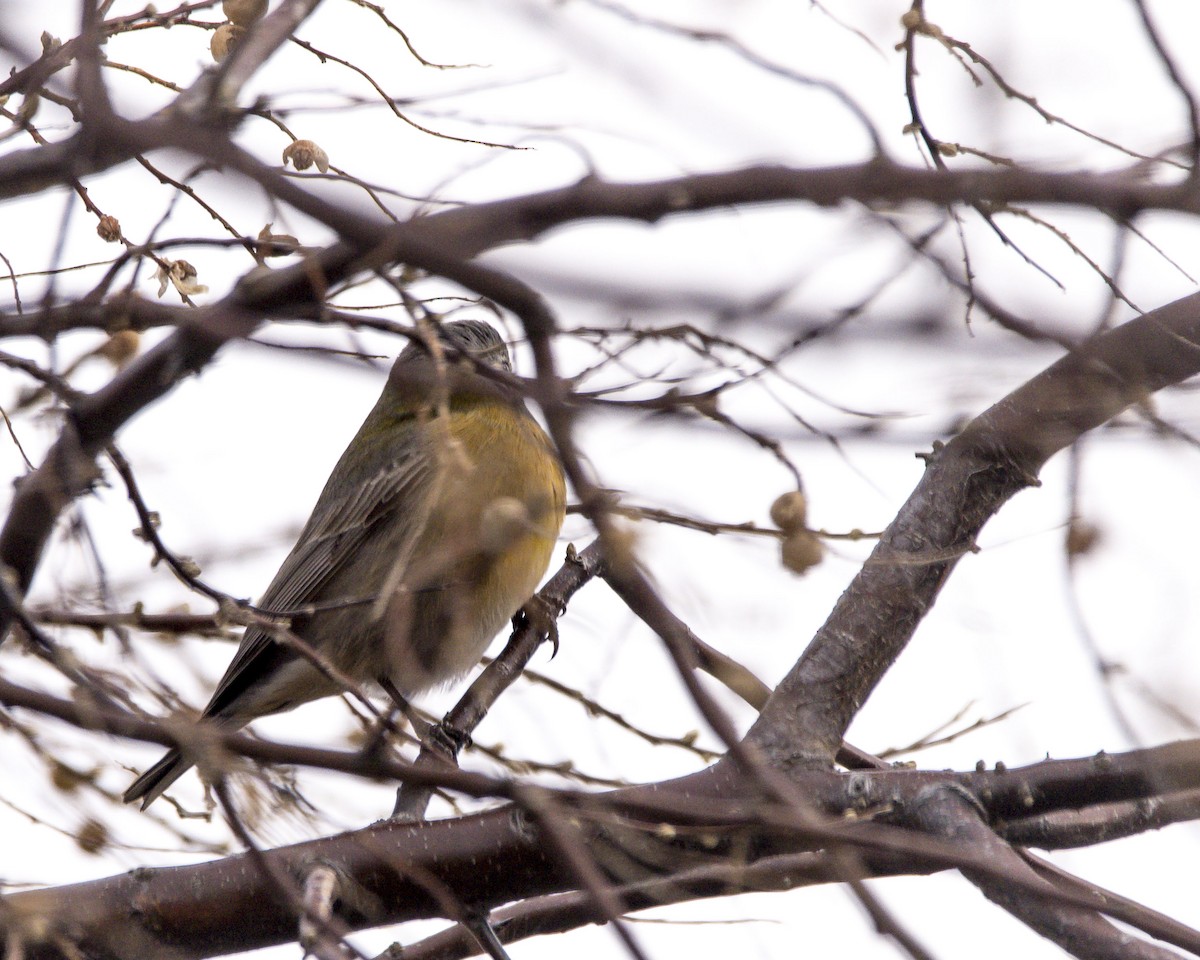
pixel 304 154
pixel 790 511
pixel 224 39
pixel 244 12
pixel 801 551
pixel 109 229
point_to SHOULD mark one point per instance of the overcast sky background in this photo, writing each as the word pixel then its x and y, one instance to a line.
pixel 234 459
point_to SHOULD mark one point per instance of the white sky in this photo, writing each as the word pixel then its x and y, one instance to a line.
pixel 233 459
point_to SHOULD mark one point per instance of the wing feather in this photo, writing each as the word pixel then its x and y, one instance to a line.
pixel 332 536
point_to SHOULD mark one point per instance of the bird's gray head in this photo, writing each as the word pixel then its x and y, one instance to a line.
pixel 473 337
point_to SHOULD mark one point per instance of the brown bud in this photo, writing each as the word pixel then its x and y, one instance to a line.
pixel 109 229
pixel 304 154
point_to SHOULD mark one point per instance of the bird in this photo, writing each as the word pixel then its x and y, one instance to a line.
pixel 432 532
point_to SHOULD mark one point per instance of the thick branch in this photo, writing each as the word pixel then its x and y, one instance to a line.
pixel 967 481
pixel 1078 930
pixel 494 857
pixel 230 905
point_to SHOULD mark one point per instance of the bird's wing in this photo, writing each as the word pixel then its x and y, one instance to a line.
pixel 340 531
pixel 331 536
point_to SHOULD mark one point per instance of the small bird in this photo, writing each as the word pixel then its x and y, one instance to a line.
pixel 434 528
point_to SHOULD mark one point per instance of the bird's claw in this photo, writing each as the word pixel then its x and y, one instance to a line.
pixel 540 615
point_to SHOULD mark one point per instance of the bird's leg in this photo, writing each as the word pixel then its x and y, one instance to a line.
pixel 447 739
pixel 443 736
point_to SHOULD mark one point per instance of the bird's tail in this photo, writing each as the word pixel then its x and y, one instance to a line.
pixel 151 784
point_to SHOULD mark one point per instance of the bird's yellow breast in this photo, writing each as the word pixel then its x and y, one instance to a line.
pixel 494 517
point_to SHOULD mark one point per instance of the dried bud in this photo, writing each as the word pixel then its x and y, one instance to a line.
pixel 155 522
pixel 305 153
pixel 109 229
pixel 120 348
pixel 189 567
pixel 244 12
pixel 801 551
pixel 92 836
pixel 224 39
pixel 181 275
pixel 790 511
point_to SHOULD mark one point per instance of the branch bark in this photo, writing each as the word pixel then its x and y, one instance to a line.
pixel 967 481
pixel 698 830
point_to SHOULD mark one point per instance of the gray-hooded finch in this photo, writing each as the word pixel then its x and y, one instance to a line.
pixel 434 528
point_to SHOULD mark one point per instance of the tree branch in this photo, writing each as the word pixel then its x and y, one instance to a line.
pixel 966 482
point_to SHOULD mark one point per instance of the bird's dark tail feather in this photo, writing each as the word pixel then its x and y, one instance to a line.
pixel 151 784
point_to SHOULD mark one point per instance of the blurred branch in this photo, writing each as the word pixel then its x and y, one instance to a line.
pixel 202 624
